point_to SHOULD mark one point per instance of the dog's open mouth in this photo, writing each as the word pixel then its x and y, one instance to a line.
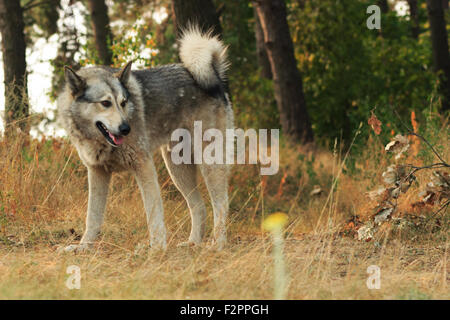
pixel 114 140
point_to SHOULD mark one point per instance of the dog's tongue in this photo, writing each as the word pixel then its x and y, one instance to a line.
pixel 117 140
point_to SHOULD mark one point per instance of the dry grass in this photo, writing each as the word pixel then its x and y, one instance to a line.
pixel 43 199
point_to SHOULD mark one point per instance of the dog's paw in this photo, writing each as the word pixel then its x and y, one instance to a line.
pixel 217 245
pixel 160 246
pixel 75 248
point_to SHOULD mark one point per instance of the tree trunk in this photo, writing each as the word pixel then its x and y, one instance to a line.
pixel 445 4
pixel 288 85
pixel 14 63
pixel 102 31
pixel 199 12
pixel 441 56
pixel 384 6
pixel 414 16
pixel 261 53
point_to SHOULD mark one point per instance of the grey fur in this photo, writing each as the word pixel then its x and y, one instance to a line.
pixel 158 101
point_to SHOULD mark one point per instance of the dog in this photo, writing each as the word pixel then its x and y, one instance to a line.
pixel 117 118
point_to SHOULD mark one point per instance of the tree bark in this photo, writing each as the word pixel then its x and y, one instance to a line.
pixel 384 6
pixel 14 63
pixel 102 31
pixel 199 12
pixel 288 86
pixel 441 56
pixel 414 16
pixel 261 53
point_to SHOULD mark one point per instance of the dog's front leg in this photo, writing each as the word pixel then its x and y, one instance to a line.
pixel 147 180
pixel 98 180
pixel 98 192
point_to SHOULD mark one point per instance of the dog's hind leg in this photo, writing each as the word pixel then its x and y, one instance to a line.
pixel 147 181
pixel 98 180
pixel 184 177
pixel 216 179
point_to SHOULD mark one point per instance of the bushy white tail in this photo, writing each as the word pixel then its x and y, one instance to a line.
pixel 205 56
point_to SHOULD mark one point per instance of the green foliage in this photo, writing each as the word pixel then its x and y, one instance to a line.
pixel 44 15
pixel 310 171
pixel 349 69
pixel 253 99
pixel 165 38
pixel 136 45
pixel 433 130
pixel 237 23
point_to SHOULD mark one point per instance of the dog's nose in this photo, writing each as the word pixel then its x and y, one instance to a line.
pixel 124 129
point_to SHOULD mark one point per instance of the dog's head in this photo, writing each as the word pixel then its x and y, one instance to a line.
pixel 101 105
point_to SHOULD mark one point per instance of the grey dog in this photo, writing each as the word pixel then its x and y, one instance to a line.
pixel 117 118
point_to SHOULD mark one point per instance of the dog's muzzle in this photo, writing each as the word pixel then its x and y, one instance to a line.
pixel 114 139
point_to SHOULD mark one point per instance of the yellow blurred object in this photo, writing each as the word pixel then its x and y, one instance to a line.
pixel 275 221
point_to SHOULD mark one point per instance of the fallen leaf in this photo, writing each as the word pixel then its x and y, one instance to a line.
pixel 375 194
pixel 316 191
pixel 365 233
pixel 383 215
pixel 375 124
pixel 441 179
pixel 399 145
pixel 390 175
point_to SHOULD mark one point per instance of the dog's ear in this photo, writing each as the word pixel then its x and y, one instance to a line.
pixel 76 83
pixel 124 74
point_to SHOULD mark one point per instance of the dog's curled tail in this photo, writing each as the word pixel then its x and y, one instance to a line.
pixel 204 56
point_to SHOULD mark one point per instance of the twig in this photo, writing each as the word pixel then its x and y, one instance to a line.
pixel 431 166
pixel 445 205
pixel 413 170
pixel 431 147
pixel 59 178
pixel 411 132
pixel 434 165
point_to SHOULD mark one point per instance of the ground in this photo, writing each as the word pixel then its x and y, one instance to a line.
pixel 43 200
pixel 317 268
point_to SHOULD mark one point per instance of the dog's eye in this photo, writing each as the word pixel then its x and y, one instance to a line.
pixel 106 103
pixel 123 104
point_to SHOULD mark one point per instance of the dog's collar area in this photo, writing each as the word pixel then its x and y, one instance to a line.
pixel 114 140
